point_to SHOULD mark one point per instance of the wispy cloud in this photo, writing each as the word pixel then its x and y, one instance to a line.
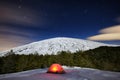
pixel 107 34
pixel 10 13
pixel 15 23
pixel 7 30
pixel 11 37
pixel 10 41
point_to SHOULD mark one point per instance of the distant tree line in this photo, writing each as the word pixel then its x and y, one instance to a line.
pixel 104 58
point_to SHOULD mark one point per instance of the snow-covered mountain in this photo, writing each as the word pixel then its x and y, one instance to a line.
pixel 55 45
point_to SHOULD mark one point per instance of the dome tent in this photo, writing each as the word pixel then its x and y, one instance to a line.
pixel 56 68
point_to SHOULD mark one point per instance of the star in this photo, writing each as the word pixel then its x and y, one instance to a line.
pixel 25 17
pixel 19 6
pixel 20 0
pixel 85 11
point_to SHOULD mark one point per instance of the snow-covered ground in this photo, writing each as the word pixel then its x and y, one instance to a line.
pixel 72 73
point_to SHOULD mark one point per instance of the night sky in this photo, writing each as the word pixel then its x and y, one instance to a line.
pixel 25 21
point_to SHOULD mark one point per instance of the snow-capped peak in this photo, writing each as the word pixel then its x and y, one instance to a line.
pixel 55 45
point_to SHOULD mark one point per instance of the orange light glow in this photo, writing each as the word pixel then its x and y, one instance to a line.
pixel 54 69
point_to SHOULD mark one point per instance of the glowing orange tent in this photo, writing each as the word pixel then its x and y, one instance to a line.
pixel 56 68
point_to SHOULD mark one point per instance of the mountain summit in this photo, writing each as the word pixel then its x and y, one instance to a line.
pixel 55 45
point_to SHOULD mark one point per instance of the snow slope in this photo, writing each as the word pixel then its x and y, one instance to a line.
pixel 72 73
pixel 55 45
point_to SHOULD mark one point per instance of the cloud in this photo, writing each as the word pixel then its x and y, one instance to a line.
pixel 7 30
pixel 16 24
pixel 11 37
pixel 10 13
pixel 105 37
pixel 10 41
pixel 112 29
pixel 108 34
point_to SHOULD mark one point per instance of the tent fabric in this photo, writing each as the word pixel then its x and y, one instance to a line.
pixel 56 68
